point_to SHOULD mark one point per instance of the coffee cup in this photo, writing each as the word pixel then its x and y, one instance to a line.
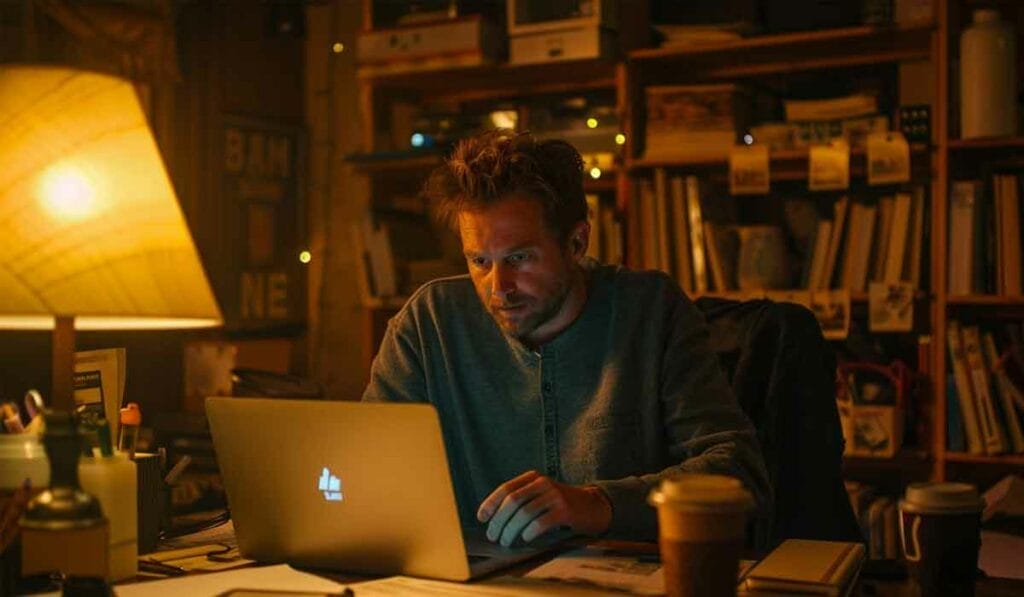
pixel 701 530
pixel 940 532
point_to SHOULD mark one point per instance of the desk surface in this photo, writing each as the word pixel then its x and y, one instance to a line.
pixel 986 587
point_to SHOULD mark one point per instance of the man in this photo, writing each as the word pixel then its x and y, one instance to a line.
pixel 566 389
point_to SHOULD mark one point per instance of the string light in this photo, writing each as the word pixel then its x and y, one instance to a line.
pixel 305 257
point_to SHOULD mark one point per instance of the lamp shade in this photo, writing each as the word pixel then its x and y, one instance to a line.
pixel 90 226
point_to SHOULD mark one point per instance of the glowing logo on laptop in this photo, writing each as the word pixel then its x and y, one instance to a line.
pixel 330 485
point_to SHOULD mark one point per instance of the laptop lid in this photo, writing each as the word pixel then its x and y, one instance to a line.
pixel 343 485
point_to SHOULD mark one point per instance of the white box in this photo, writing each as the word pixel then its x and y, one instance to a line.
pixel 469 36
pixel 564 44
pixel 524 16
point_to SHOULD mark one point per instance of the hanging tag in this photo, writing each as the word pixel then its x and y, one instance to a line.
pixel 829 167
pixel 748 170
pixel 888 160
pixel 890 307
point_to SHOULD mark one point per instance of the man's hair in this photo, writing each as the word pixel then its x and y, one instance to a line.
pixel 497 164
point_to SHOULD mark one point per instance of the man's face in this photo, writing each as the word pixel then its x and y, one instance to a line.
pixel 522 273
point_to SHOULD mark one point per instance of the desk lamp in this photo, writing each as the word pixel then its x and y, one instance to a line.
pixel 91 233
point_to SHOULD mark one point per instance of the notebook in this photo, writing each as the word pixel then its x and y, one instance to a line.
pixel 359 487
pixel 808 567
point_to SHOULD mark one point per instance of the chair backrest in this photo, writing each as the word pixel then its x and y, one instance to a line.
pixel 782 371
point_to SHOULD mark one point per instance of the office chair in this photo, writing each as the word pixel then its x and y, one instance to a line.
pixel 782 371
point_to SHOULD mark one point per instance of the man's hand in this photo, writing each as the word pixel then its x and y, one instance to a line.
pixel 532 504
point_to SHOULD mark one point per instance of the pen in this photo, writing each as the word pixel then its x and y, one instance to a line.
pixel 131 418
pixel 103 434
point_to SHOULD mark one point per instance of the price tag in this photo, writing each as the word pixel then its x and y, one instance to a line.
pixel 890 307
pixel 829 167
pixel 748 170
pixel 888 159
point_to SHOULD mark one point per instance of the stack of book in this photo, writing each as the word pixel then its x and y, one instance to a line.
pixel 860 241
pixel 878 519
pixel 985 391
pixel 985 236
pixel 811 122
pixel 693 122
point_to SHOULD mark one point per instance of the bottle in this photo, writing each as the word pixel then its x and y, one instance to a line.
pixel 112 480
pixel 988 80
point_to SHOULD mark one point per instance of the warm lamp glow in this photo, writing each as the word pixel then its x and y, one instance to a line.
pixel 90 223
pixel 67 194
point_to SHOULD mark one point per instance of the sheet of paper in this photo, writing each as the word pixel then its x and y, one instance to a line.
pixel 596 566
pixel 503 586
pixel 1000 555
pixel 281 577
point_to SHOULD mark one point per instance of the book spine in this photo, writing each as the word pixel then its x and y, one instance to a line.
pixel 968 410
pixel 992 435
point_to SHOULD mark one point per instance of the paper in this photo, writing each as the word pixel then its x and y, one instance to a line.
pixel 502 586
pixel 749 170
pixel 267 578
pixel 888 160
pixel 1000 555
pixel 829 167
pixel 633 573
pixel 99 384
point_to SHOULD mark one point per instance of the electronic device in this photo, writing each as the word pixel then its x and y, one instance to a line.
pixel 361 487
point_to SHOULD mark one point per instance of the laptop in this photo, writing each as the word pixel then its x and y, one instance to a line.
pixel 353 486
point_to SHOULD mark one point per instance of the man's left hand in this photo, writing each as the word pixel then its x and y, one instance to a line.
pixel 532 504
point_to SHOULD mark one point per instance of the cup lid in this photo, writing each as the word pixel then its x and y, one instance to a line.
pixel 693 491
pixel 942 498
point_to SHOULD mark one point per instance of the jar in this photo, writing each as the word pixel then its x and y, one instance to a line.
pixel 22 457
pixel 988 81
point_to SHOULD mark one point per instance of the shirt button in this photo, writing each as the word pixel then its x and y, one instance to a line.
pixel 547 386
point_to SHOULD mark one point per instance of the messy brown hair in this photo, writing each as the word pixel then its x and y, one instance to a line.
pixel 497 164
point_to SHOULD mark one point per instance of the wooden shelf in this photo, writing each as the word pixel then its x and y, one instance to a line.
pixel 605 184
pixel 790 164
pixel 395 161
pixel 904 459
pixel 785 53
pixel 988 143
pixel 501 80
pixel 986 300
pixel 1005 459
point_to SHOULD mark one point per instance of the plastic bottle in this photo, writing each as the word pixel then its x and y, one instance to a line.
pixel 988 81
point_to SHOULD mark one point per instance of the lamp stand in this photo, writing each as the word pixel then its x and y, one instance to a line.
pixel 63 364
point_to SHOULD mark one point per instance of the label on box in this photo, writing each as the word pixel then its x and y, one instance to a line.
pixel 890 307
pixel 829 167
pixel 888 160
pixel 748 170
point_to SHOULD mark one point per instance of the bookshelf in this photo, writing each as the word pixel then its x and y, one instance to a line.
pixel 772 59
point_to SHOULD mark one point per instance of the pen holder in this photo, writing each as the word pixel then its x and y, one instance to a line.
pixel 112 480
pixel 154 496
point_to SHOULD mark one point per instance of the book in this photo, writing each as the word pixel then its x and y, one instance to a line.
pixel 805 566
pixel 1009 226
pixel 992 435
pixel 594 219
pixel 1004 391
pixel 858 246
pixel 879 253
pixel 692 122
pixel 964 391
pixel 696 223
pixel 838 226
pixel 664 221
pixel 819 255
pixel 963 200
pixel 98 381
pixel 915 251
pixel 722 252
pixel 954 422
pixel 681 236
pixel 899 230
pixel 860 104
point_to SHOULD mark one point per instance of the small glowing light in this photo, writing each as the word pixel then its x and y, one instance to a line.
pixel 748 139
pixel 592 123
pixel 417 140
pixel 595 173
pixel 620 139
pixel 67 193
pixel 338 47
pixel 305 257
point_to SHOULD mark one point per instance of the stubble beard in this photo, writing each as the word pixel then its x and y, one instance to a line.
pixel 541 313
